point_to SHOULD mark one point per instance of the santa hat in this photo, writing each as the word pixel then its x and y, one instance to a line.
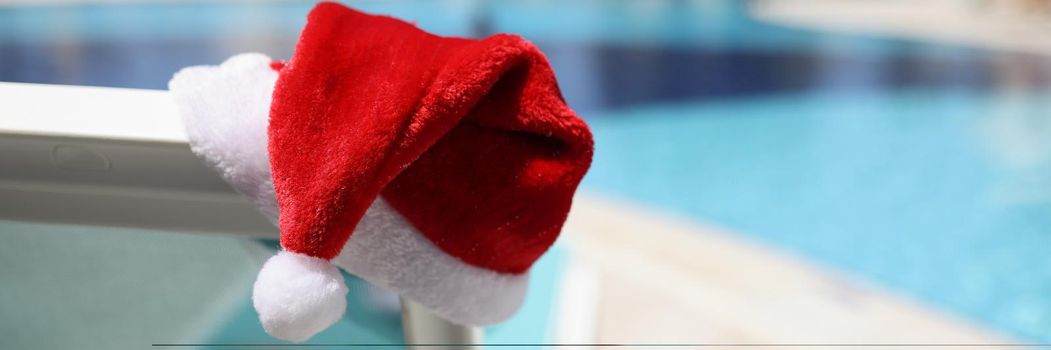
pixel 438 167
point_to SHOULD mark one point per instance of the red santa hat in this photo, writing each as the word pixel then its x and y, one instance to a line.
pixel 441 168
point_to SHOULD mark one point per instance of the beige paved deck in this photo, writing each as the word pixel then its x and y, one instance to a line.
pixel 653 278
pixel 1006 25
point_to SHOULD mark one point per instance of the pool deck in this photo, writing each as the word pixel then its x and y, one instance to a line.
pixel 653 278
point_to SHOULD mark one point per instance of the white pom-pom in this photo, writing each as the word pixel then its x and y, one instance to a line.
pixel 298 296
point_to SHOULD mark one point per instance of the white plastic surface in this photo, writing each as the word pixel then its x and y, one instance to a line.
pixel 91 112
pixel 110 157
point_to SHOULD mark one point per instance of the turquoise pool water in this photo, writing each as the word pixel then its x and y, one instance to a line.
pixel 85 287
pixel 940 195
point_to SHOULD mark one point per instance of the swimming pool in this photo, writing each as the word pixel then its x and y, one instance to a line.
pixel 942 195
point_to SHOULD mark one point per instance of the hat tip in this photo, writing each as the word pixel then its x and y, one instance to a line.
pixel 298 296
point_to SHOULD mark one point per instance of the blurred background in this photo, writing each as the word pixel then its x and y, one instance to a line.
pixel 777 172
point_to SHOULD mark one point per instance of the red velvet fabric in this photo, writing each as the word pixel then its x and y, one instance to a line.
pixel 470 140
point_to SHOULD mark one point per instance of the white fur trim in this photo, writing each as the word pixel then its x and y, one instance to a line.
pixel 226 111
pixel 387 250
pixel 298 296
